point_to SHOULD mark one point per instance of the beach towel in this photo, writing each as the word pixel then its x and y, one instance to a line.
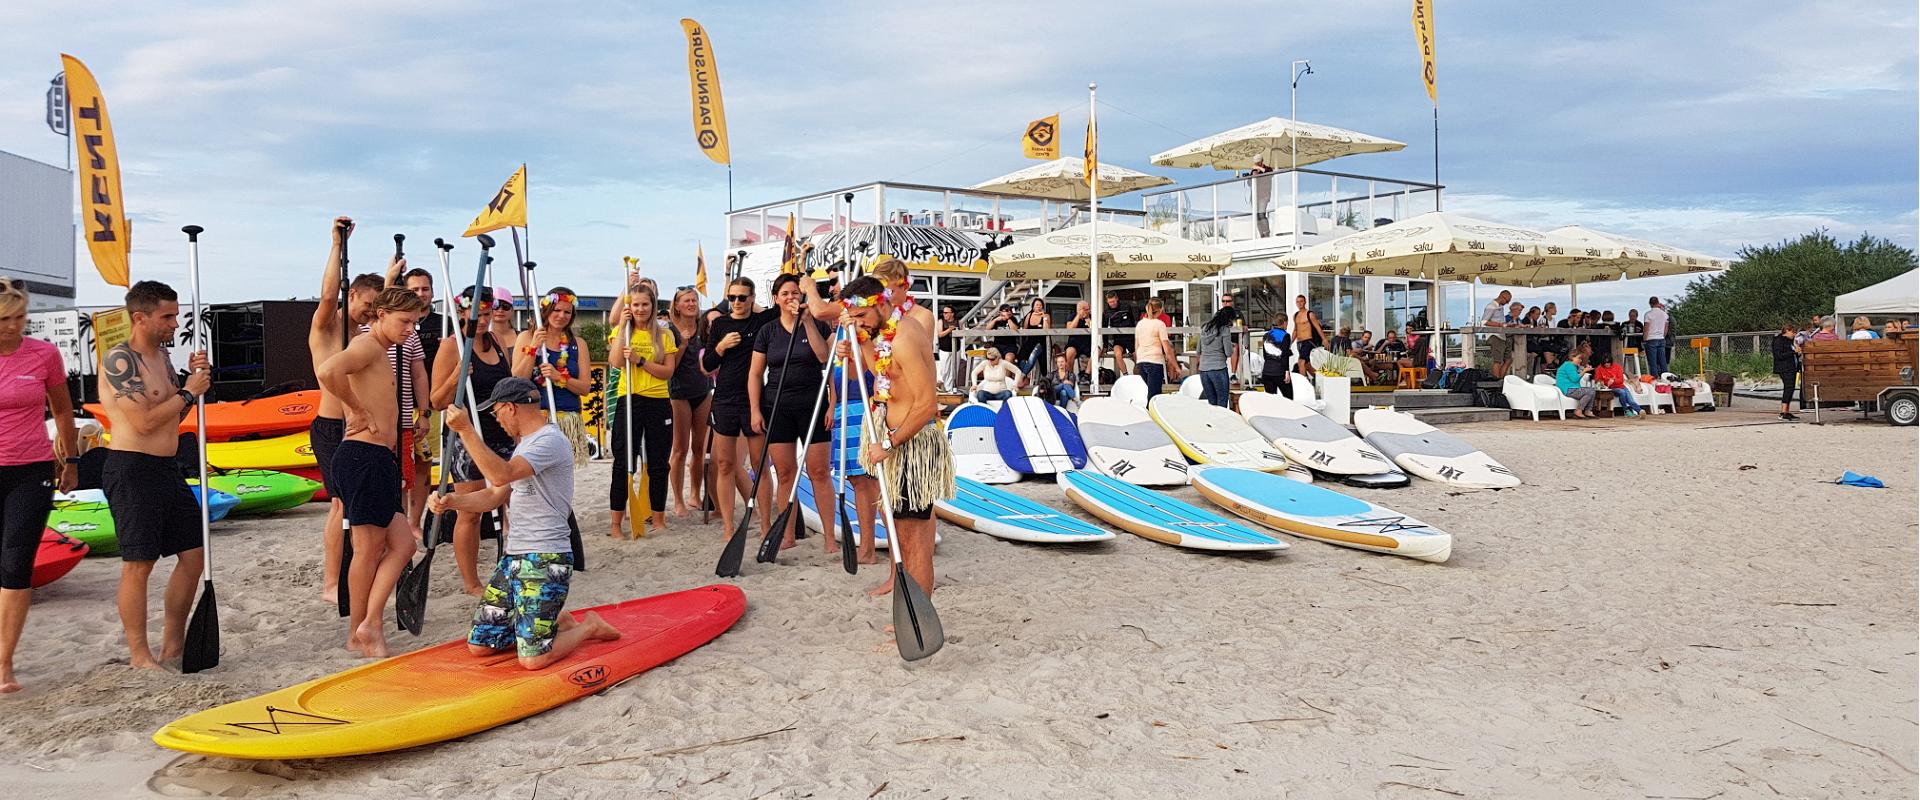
pixel 1865 481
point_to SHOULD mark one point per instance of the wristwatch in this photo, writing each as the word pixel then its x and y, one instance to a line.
pixel 71 460
pixel 186 396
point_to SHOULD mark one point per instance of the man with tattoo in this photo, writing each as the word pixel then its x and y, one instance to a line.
pixel 155 515
pixel 328 428
pixel 366 468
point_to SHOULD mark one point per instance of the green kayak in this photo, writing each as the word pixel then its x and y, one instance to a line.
pixel 88 522
pixel 263 491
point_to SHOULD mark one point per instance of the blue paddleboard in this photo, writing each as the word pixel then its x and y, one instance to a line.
pixel 1304 509
pixel 1159 517
pixel 1003 514
pixel 1037 438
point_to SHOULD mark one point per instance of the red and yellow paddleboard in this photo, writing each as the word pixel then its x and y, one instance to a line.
pixel 266 416
pixel 443 692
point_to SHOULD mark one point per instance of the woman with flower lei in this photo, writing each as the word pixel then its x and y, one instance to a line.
pixel 550 353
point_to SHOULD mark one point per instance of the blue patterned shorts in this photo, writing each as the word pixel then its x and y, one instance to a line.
pixel 522 604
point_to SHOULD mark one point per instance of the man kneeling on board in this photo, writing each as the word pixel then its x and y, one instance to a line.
pixel 522 607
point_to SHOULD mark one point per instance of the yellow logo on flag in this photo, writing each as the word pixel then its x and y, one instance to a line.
pixel 1042 139
pixel 507 209
pixel 1091 162
pixel 709 111
pixel 789 251
pixel 1423 32
pixel 700 270
pixel 103 211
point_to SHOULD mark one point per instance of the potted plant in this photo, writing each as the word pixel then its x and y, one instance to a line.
pixel 1333 379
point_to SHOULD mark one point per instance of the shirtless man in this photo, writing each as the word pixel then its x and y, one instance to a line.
pixel 909 451
pixel 1307 333
pixel 323 342
pixel 154 514
pixel 366 468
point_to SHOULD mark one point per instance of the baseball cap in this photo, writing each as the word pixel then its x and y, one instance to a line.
pixel 517 391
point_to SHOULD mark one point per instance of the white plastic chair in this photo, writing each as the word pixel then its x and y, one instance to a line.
pixel 1303 392
pixel 1532 398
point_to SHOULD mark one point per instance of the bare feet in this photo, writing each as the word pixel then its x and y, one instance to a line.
pixel 330 593
pixel 867 557
pixel 142 659
pixel 372 637
pixel 475 590
pixel 598 628
pixel 171 652
pixel 657 523
pixel 679 508
pixel 8 685
pixel 883 589
pixel 788 542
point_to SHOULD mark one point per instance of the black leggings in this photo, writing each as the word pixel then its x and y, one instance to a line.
pixel 1277 384
pixel 654 437
pixel 1787 381
pixel 26 497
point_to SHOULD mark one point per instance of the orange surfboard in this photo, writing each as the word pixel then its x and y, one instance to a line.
pixel 266 416
pixel 443 692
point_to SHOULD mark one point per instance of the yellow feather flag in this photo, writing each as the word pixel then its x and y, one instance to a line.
pixel 507 209
pixel 1091 162
pixel 103 211
pixel 700 269
pixel 709 111
pixel 789 252
pixel 1042 140
pixel 1423 33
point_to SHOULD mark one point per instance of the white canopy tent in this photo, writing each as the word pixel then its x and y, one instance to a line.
pixel 1899 294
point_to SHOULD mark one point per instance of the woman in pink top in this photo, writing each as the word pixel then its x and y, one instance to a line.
pixel 32 380
pixel 1157 362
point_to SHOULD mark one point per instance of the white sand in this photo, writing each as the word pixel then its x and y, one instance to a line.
pixel 1643 619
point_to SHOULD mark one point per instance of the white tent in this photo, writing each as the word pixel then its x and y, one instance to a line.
pixel 1897 295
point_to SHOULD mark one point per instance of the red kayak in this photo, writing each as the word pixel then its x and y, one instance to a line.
pixel 266 416
pixel 58 555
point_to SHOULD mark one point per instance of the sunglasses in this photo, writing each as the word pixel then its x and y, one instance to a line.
pixel 739 298
pixel 683 288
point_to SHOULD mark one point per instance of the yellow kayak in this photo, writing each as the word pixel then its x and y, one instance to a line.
pixel 277 453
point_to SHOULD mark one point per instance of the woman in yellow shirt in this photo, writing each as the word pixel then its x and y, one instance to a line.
pixel 642 393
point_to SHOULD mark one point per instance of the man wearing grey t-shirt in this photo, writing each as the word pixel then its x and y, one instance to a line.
pixel 523 605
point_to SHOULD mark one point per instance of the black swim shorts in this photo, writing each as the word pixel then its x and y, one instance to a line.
pixel 155 515
pixel 324 435
pixel 369 479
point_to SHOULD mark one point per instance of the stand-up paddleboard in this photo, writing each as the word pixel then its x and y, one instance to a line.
pixel 265 416
pixel 263 491
pixel 1035 438
pixel 1190 387
pixel 279 452
pixel 1391 479
pixel 1417 448
pixel 57 556
pixel 1308 438
pixel 1157 516
pixel 1315 513
pixel 1122 441
pixel 1130 389
pixel 804 499
pixel 970 432
pixel 443 692
pixel 88 522
pixel 1005 515
pixel 1209 434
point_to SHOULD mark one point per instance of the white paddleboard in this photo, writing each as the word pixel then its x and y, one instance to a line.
pixel 976 455
pixel 1310 439
pixel 1316 513
pixel 1131 389
pixel 1122 441
pixel 1190 387
pixel 803 498
pixel 1209 434
pixel 1160 517
pixel 1005 515
pixel 1419 449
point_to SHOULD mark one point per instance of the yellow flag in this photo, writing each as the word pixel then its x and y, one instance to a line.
pixel 709 112
pixel 1042 139
pixel 1091 162
pixel 789 251
pixel 102 209
pixel 1423 32
pixel 700 270
pixel 507 209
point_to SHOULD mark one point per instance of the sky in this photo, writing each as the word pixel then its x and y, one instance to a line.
pixel 1710 124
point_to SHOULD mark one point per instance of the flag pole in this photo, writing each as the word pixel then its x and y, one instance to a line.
pixel 1093 229
pixel 1436 155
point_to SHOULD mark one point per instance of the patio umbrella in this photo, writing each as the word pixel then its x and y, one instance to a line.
pixel 1066 179
pixel 1272 141
pixel 920 246
pixel 1437 245
pixel 1126 253
pixel 1640 258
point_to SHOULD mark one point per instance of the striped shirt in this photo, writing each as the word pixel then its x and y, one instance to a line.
pixel 401 357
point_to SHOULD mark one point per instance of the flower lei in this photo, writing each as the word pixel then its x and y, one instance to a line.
pixel 883 348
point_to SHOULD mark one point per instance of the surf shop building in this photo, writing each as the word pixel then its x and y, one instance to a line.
pixel 949 231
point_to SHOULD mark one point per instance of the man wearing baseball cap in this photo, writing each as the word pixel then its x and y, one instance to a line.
pixel 522 606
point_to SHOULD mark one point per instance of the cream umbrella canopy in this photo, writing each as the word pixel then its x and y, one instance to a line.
pixel 1126 253
pixel 1066 179
pixel 1641 258
pixel 1437 245
pixel 1273 141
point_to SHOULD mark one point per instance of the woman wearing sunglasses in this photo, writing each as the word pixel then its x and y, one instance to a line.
pixel 688 390
pixel 782 385
pixel 549 353
pixel 728 357
pixel 489 366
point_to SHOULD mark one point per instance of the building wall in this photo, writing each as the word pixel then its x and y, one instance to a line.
pixel 36 229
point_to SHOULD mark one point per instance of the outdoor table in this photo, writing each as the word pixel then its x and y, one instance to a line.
pixel 1520 335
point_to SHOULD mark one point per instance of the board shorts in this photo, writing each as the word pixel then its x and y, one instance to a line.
pixel 1303 348
pixel 464 470
pixel 522 604
pixel 730 419
pixel 155 515
pixel 789 426
pixel 324 435
pixel 369 480
pixel 845 456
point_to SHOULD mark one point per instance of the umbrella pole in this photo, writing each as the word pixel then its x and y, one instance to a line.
pixel 1093 255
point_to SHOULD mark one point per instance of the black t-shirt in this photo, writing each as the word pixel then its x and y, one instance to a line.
pixel 730 385
pixel 1005 344
pixel 429 330
pixel 802 370
pixel 1118 326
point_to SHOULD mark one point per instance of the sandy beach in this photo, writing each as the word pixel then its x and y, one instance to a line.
pixel 1681 607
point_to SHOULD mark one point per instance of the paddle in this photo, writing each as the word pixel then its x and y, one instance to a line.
pixel 916 626
pixel 849 538
pixel 531 288
pixel 770 547
pixel 203 628
pixel 346 333
pixel 736 549
pixel 410 597
pixel 626 400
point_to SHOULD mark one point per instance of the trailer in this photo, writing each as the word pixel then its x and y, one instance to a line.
pixel 1878 374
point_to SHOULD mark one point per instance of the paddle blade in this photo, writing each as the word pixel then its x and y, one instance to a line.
pixel 736 549
pixel 410 596
pixel 639 510
pixel 341 595
pixel 916 628
pixel 203 633
pixel 849 560
pixel 770 546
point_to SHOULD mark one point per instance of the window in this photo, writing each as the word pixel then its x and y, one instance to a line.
pixel 960 287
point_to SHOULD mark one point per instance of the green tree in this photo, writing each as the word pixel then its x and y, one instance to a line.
pixel 595 336
pixel 1792 280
